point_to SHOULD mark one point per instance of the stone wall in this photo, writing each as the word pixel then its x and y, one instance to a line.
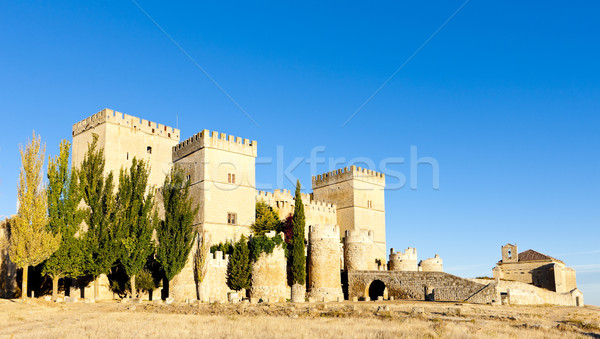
pixel 269 275
pixel 518 293
pixel 324 256
pixel 214 285
pixel 417 286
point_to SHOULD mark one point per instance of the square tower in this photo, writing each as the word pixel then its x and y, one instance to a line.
pixel 359 196
pixel 221 169
pixel 123 137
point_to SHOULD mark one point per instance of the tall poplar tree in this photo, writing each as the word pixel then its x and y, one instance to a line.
pixel 65 219
pixel 97 190
pixel 31 241
pixel 175 232
pixel 134 219
pixel 298 259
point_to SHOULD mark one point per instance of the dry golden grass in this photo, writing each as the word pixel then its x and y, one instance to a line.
pixel 37 318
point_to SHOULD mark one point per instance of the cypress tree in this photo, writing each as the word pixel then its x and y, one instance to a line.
pixel 31 242
pixel 239 266
pixel 298 259
pixel 65 218
pixel 134 222
pixel 97 190
pixel 176 232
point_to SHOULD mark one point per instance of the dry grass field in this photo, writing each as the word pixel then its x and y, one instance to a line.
pixel 39 318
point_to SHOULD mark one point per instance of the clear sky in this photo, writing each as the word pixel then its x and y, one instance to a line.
pixel 506 98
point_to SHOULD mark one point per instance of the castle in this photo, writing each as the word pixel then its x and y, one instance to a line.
pixel 345 218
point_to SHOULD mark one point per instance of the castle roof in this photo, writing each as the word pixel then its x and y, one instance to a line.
pixel 531 255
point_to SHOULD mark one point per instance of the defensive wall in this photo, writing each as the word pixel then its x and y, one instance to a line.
pixel 438 286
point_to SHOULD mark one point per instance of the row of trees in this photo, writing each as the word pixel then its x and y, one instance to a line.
pixel 77 225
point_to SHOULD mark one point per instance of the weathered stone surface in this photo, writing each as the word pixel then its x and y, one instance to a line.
pixel 415 285
pixel 298 293
pixel 324 253
pixel 269 275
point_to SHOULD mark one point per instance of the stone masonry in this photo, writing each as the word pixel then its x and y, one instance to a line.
pixel 324 257
pixel 269 275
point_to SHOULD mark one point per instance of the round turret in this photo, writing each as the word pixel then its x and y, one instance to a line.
pixel 358 251
pixel 324 254
pixel 269 276
pixel 404 261
pixel 431 265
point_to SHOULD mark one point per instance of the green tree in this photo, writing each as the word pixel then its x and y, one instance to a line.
pixel 100 248
pixel 134 222
pixel 267 219
pixel 31 241
pixel 176 232
pixel 239 266
pixel 298 260
pixel 65 219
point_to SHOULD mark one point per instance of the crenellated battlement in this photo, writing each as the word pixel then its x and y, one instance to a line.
pixel 348 173
pixel 323 232
pixel 283 200
pixel 434 264
pixel 218 259
pixel 120 119
pixel 216 140
pixel 408 254
pixel 358 236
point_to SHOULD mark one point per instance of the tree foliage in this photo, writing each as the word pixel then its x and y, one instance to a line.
pixel 263 244
pixel 31 241
pixel 225 247
pixel 298 259
pixel 64 218
pixel 97 191
pixel 134 221
pixel 176 232
pixel 239 266
pixel 266 220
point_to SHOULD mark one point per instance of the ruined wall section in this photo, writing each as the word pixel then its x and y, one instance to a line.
pixel 324 256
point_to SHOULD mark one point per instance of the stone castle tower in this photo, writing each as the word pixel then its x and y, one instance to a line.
pixel 359 196
pixel 358 250
pixel 404 261
pixel 222 173
pixel 324 263
pixel 123 137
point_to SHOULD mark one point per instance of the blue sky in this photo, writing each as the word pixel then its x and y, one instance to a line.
pixel 505 97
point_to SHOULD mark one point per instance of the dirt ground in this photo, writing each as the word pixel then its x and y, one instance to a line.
pixel 40 318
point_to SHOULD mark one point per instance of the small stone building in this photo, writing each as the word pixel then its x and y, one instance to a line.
pixel 535 268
